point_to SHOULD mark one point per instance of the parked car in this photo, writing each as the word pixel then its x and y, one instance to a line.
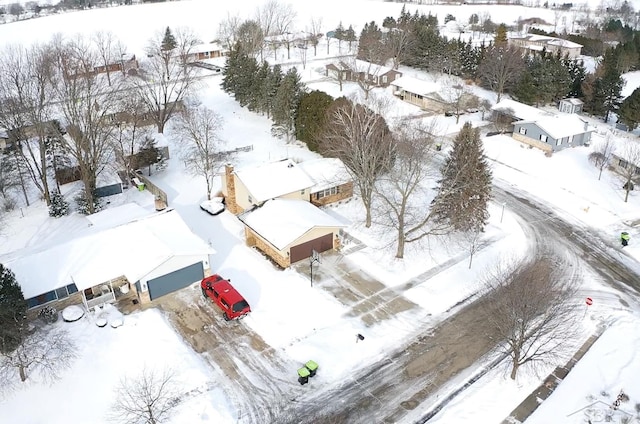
pixel 225 296
pixel 214 206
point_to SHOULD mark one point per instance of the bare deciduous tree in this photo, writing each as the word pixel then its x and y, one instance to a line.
pixel 228 30
pixel 131 131
pixel 500 68
pixel 110 51
pixel 602 154
pixel 529 308
pixel 628 165
pixel 401 185
pixel 44 354
pixel 458 97
pixel 361 138
pixel 399 41
pixel 166 80
pixel 25 75
pixel 198 130
pixel 146 399
pixel 315 33
pixel 86 101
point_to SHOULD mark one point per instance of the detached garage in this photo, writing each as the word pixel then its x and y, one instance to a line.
pixel 288 230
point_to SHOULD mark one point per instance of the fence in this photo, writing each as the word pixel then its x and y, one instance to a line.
pixel 157 191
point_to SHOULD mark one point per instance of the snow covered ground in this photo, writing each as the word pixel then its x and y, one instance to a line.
pixel 566 180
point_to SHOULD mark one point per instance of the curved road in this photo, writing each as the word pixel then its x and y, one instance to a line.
pixel 387 391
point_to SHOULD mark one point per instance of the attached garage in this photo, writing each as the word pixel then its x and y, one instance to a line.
pixel 175 280
pixel 288 230
pixel 303 250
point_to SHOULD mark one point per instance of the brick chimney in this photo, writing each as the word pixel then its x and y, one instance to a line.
pixel 230 196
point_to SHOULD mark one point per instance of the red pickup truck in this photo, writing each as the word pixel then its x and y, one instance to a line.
pixel 225 296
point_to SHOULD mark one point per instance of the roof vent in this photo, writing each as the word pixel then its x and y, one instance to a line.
pixel 290 165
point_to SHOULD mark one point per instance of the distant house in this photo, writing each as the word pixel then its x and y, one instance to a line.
pixel 570 105
pixel 553 133
pixel 534 43
pixel 207 51
pixel 332 181
pixel 359 70
pixel 421 93
pixel 143 259
pixel 289 230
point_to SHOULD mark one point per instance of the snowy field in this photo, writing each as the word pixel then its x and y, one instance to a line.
pixel 566 180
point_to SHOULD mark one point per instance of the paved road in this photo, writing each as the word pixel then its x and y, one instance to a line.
pixel 387 391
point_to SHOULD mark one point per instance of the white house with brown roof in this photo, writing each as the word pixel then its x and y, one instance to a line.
pixel 207 51
pixel 288 230
pixel 534 43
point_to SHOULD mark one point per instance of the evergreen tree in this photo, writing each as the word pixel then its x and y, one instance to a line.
pixel 59 206
pixel 247 70
pixel 13 311
pixel 257 102
pixel 577 73
pixel 230 71
pixel 350 36
pixel 169 41
pixel 525 91
pixel 501 35
pixel 286 104
pixel 311 117
pixel 629 113
pixel 602 89
pixel 270 88
pixel 339 34
pixel 465 187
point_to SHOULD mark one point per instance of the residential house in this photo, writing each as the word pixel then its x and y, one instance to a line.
pixel 420 93
pixel 553 133
pixel 360 70
pixel 534 43
pixel 290 230
pixel 278 202
pixel 248 188
pixel 519 111
pixel 332 182
pixel 207 51
pixel 4 139
pixel 624 159
pixel 143 259
pixel 571 105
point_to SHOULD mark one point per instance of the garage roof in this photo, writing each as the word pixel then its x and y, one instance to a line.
pixel 133 249
pixel 283 221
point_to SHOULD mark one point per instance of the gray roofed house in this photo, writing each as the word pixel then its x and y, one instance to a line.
pixel 553 133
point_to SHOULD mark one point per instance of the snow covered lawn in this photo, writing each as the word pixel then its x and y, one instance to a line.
pixel 85 393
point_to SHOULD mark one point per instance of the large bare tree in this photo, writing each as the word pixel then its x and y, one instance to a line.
pixel 628 165
pixel 315 32
pixel 44 353
pixel 25 109
pixel 85 100
pixel 400 188
pixel 530 310
pixel 500 68
pixel 198 131
pixel 602 153
pixel 145 399
pixel 275 18
pixel 166 80
pixel 228 30
pixel 360 137
pixel 110 51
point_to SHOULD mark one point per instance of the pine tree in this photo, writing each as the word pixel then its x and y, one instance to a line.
pixel 501 35
pixel 270 88
pixel 59 206
pixel 13 311
pixel 525 91
pixel 230 71
pixel 465 187
pixel 169 41
pixel 629 112
pixel 311 117
pixel 286 104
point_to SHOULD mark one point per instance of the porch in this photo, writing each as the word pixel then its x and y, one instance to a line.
pixel 109 292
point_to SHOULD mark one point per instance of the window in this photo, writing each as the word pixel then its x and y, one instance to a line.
pixel 558 142
pixel 384 79
pixel 543 138
pixel 250 199
pixel 41 299
pixel 326 192
pixel 71 288
pixel 522 130
pixel 61 293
